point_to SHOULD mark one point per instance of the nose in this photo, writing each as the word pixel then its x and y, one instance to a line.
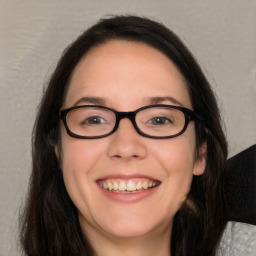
pixel 126 143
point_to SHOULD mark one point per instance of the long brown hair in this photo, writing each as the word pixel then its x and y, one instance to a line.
pixel 49 223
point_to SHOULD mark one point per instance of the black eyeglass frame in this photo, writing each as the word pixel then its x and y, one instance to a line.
pixel 189 116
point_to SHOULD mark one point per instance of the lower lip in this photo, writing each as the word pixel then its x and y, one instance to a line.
pixel 128 197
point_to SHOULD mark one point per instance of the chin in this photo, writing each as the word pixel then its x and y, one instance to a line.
pixel 136 227
pixel 124 231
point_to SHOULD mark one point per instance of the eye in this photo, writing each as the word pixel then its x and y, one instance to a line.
pixel 95 120
pixel 160 120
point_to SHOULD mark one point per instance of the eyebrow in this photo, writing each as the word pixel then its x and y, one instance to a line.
pixel 91 100
pixel 149 100
pixel 157 100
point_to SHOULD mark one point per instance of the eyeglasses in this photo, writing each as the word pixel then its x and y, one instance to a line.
pixel 154 121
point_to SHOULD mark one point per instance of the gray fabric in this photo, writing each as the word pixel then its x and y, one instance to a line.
pixel 239 239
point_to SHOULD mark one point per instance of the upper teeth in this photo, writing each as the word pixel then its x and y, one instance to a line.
pixel 129 185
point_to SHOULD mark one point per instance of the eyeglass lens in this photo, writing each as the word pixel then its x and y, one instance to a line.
pixel 155 121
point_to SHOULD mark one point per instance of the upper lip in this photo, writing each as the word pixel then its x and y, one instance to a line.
pixel 127 177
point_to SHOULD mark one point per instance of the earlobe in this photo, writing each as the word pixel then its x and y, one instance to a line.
pixel 57 153
pixel 200 162
pixel 56 150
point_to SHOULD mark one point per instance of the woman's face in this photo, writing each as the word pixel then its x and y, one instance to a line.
pixel 125 76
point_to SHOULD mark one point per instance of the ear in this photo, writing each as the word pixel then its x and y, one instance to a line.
pixel 200 161
pixel 58 154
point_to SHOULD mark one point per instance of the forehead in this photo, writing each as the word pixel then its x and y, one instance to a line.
pixel 121 71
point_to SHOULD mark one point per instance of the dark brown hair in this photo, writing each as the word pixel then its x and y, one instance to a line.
pixel 49 223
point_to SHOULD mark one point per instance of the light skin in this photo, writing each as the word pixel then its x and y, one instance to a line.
pixel 125 76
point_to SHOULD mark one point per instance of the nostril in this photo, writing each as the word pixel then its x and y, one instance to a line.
pixel 120 156
pixel 117 156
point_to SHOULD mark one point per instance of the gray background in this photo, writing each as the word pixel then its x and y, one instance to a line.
pixel 221 34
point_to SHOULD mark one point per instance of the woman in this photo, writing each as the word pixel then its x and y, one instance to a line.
pixel 126 128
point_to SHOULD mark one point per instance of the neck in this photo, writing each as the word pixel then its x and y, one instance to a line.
pixel 154 243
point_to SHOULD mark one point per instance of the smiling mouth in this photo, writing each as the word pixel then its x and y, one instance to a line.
pixel 128 186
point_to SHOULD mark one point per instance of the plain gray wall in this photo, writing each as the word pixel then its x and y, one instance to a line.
pixel 221 34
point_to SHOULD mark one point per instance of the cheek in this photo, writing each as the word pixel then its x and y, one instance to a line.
pixel 179 165
pixel 177 158
pixel 78 154
pixel 177 153
pixel 78 160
